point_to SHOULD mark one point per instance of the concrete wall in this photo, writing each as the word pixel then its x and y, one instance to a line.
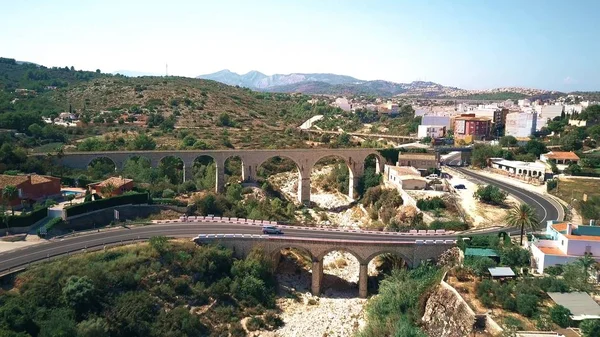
pixel 305 159
pixel 103 217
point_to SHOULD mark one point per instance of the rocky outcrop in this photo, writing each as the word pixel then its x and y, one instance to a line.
pixel 447 314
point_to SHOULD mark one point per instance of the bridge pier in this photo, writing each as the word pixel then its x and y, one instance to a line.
pixel 188 171
pixel 363 280
pixel 317 277
pixel 220 177
pixel 304 189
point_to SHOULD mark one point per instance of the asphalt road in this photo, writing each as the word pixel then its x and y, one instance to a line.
pixel 97 240
pixel 544 207
pixel 20 258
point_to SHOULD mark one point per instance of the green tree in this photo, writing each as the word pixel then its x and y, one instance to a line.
pixel 9 194
pixel 586 262
pixel 60 323
pixel 159 243
pixel 561 316
pixel 79 293
pixel 570 142
pixel 524 217
pixel 225 120
pixel 590 327
pixel 507 141
pixel 143 142
pixel 527 304
pixel 490 194
pixel 535 147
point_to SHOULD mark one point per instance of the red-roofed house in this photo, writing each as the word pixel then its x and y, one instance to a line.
pixel 560 158
pixel 119 185
pixel 30 187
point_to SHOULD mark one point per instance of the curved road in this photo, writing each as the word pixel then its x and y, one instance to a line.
pixel 21 258
pixel 546 208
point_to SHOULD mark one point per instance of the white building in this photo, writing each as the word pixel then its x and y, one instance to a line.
pixel 564 243
pixel 343 103
pixel 560 158
pixel 520 168
pixel 549 111
pixel 520 125
pixel 405 177
pixel 432 131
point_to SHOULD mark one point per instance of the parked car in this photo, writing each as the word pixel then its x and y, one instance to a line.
pixel 432 176
pixel 271 230
pixel 460 187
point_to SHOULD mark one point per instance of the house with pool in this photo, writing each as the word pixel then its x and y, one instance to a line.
pixel 564 242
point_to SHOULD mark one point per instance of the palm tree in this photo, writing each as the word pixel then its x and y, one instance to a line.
pixel 522 216
pixel 10 193
pixel 586 261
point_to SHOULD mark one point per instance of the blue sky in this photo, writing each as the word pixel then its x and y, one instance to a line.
pixel 473 44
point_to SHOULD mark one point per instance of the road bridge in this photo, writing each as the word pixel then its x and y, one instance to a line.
pixel 305 160
pixel 411 251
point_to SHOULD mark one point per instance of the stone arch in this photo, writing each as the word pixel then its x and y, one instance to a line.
pixel 102 157
pixel 173 168
pixel 231 169
pixel 279 248
pixel 353 178
pixel 101 167
pixel 407 260
pixel 134 175
pixel 379 161
pixel 322 254
pixel 204 165
pixel 300 188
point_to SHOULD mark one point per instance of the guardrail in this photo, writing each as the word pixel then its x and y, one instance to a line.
pixel 362 241
pixel 251 222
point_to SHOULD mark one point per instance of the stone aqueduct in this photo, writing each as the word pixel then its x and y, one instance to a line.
pixel 413 252
pixel 304 159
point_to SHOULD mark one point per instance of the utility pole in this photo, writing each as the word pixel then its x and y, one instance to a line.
pixel 166 70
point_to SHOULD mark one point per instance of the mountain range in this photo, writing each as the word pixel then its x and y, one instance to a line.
pixel 332 84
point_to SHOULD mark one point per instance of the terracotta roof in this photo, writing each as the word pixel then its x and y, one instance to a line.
pixel 583 237
pixel 6 179
pixel 560 227
pixel 117 182
pixel 37 179
pixel 562 155
pixel 551 250
pixel 421 156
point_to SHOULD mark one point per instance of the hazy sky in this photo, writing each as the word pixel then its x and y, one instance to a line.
pixel 478 44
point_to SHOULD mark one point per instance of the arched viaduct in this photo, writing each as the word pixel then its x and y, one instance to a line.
pixel 304 159
pixel 413 252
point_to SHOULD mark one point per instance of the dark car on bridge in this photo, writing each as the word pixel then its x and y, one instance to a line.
pixel 271 230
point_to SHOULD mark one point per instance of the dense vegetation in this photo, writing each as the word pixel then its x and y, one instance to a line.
pixel 145 290
pixel 399 307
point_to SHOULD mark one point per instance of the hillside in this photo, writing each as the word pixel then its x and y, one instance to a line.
pixel 220 115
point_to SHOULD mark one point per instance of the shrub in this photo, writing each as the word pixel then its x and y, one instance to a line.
pixel 255 323
pixel 561 316
pixel 479 264
pixel 273 320
pixel 527 304
pixel 490 194
pixel 431 203
pixel 168 193
pixel 449 225
pixel 551 184
pixel 554 270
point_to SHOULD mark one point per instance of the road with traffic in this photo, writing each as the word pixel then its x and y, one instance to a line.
pixel 21 258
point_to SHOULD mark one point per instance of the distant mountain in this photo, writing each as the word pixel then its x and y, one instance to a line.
pixel 332 84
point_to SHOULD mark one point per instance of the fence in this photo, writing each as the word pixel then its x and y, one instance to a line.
pixel 90 206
